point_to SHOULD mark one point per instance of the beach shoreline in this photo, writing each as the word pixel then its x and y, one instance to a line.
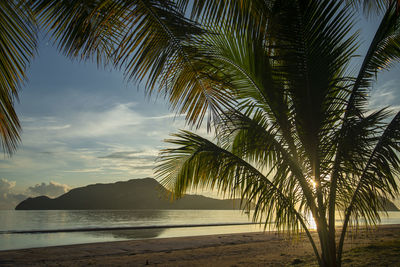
pixel 245 249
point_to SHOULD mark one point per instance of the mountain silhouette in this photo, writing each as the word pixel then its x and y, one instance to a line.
pixel 144 193
pixel 390 206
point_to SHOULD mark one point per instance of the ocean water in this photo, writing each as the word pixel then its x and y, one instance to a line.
pixel 32 222
pixel 27 229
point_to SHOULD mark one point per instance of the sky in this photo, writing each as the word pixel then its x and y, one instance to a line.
pixel 84 125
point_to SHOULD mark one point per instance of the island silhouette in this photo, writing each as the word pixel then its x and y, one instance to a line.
pixel 144 193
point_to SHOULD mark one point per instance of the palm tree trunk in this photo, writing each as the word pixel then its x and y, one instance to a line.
pixel 331 223
pixel 342 236
pixel 329 257
pixel 328 248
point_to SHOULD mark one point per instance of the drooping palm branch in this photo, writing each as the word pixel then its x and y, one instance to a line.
pixel 183 169
pixel 17 47
pixel 149 39
pixel 382 53
pixel 377 180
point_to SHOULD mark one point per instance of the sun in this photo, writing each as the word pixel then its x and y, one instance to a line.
pixel 314 184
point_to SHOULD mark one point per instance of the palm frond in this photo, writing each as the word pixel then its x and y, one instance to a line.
pixel 361 137
pixel 17 48
pixel 164 46
pixel 182 168
pixel 244 16
pixel 261 142
pixel 84 30
pixel 149 39
pixel 371 7
pixel 377 180
pixel 314 61
pixel 383 50
pixel 235 175
pixel 251 72
pixel 379 173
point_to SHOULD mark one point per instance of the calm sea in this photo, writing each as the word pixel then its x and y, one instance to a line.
pixel 32 222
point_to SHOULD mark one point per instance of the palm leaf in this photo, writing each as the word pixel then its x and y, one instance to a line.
pixel 377 181
pixel 182 168
pixel 89 29
pixel 149 39
pixel 383 50
pixel 17 47
pixel 372 7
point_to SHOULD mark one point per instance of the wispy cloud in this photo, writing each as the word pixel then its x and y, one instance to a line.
pixel 118 142
pixel 120 120
pixel 88 170
pixel 49 127
pixel 386 95
pixel 130 155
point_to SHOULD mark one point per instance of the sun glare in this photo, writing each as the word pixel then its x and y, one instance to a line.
pixel 314 184
pixel 311 222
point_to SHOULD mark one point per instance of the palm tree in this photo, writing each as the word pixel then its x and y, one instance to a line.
pixel 17 47
pixel 276 79
pixel 298 138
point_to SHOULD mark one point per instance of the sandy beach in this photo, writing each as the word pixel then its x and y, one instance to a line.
pixel 380 247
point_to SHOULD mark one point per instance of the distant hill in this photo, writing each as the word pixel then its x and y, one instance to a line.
pixel 144 193
pixel 390 206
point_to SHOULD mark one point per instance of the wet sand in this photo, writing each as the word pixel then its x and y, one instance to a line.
pixel 380 246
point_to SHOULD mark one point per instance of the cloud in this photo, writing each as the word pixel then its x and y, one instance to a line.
pixel 144 167
pixel 121 122
pixel 88 144
pixel 136 163
pixel 386 95
pixel 87 170
pixel 49 128
pixel 8 199
pixel 129 155
pixel 52 189
pixel 6 185
pixel 46 152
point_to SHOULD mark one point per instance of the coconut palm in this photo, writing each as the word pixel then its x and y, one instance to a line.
pixel 280 89
pixel 298 138
pixel 17 47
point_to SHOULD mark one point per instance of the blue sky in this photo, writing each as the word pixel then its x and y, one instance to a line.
pixel 84 125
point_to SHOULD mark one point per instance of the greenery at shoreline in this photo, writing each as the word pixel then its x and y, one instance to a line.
pixel 379 253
